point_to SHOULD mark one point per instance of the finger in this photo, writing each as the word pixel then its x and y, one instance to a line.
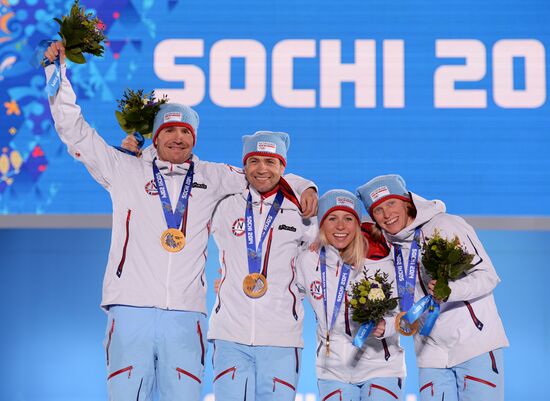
pixel 306 208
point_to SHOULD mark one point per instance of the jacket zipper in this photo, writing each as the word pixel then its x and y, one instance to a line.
pixel 378 387
pixel 199 332
pixel 111 331
pixel 293 268
pixel 346 314
pixel 476 321
pixel 120 371
pixel 386 349
pixel 277 380
pixel 226 371
pixel 186 373
pixel 123 258
pixel 221 283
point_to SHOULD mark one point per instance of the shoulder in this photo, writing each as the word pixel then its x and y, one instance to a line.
pixel 448 225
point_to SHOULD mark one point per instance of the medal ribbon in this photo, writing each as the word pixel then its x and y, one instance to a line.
pixel 37 59
pixel 173 219
pixel 362 334
pixel 406 280
pixel 342 284
pixel 254 253
pixel 429 304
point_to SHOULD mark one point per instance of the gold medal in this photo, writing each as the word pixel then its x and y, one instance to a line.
pixel 172 240
pixel 404 327
pixel 328 344
pixel 255 285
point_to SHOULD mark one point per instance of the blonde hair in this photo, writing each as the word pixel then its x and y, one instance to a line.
pixel 353 254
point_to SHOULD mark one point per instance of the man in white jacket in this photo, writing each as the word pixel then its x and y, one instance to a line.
pixel 256 323
pixel 461 358
pixel 154 287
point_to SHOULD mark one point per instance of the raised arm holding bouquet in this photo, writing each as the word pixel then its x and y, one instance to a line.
pixel 81 33
pixel 135 115
pixel 460 355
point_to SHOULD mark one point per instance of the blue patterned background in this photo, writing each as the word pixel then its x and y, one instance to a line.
pixel 482 161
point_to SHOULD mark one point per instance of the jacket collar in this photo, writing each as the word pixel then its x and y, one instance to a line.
pixel 166 168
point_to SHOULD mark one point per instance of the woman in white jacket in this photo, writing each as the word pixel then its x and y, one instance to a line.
pixel 345 372
pixel 461 358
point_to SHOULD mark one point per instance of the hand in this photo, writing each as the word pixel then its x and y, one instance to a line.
pixel 380 329
pixel 431 287
pixel 130 143
pixel 308 201
pixel 315 246
pixel 55 50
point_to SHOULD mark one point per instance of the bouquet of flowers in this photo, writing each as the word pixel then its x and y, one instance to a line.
pixel 371 299
pixel 445 260
pixel 136 111
pixel 81 32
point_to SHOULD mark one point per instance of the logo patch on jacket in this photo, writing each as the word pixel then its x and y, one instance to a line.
pixel 287 228
pixel 316 290
pixel 151 188
pixel 238 227
pixel 199 185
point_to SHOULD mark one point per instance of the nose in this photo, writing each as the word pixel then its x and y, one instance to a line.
pixel 385 212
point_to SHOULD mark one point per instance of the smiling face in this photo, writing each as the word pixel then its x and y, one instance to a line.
pixel 392 215
pixel 263 172
pixel 340 228
pixel 175 144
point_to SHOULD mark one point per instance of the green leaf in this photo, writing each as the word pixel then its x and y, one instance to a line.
pixel 441 289
pixel 76 57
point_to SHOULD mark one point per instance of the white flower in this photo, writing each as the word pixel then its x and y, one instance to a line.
pixel 376 294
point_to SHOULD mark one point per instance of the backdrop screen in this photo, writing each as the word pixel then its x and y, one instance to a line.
pixel 451 95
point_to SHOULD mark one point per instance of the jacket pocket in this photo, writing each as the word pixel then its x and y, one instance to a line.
pixel 382 388
pixel 478 380
pixel 123 257
pixel 333 394
pixel 282 382
pixel 121 371
pixel 231 370
pixel 426 386
pixel 181 371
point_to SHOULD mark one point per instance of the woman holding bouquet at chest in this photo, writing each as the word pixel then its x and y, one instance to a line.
pixel 374 368
pixel 446 278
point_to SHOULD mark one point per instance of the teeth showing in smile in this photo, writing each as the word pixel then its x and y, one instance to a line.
pixel 340 235
pixel 391 221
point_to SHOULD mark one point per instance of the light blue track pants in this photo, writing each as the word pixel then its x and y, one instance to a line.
pixel 377 389
pixel 148 348
pixel 478 379
pixel 255 373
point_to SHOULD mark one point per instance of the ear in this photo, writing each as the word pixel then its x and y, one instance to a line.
pixel 281 168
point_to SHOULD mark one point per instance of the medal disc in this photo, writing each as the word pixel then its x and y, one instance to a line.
pixel 255 285
pixel 404 327
pixel 172 240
